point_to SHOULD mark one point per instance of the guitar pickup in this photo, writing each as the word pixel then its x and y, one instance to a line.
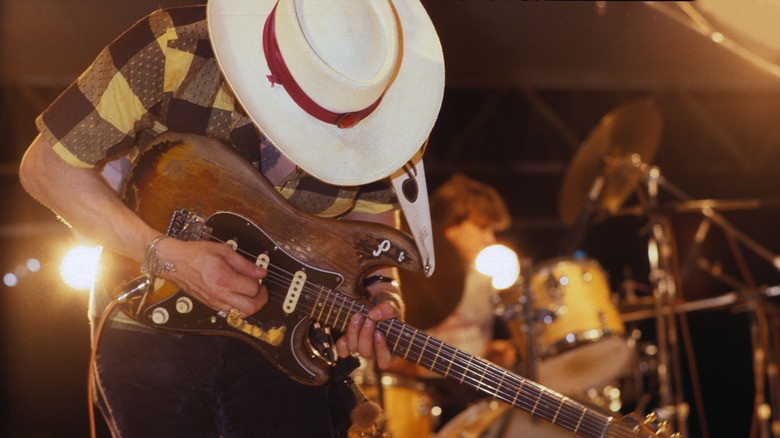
pixel 294 292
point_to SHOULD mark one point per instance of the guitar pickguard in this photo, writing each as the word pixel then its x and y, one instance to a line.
pixel 272 330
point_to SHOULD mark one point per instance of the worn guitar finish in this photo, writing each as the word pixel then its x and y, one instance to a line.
pixel 313 266
pixel 210 178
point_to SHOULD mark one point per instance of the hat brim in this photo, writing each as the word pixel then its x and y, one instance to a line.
pixel 369 151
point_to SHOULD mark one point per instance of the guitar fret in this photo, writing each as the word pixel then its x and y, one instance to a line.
pixel 411 342
pixel 573 412
pixel 533 410
pixel 346 314
pixel 436 357
pixel 419 358
pixel 500 383
pixel 579 422
pixel 330 312
pixel 465 370
pixel 316 304
pixel 545 407
pixel 321 308
pixel 558 411
pixel 481 378
pixel 449 367
pixel 517 394
pixel 340 312
pixel 395 345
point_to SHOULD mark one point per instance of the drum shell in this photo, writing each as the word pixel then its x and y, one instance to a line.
pixel 580 336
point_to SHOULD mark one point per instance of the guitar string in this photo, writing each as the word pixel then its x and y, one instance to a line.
pixel 496 391
pixel 530 402
pixel 496 375
pixel 562 415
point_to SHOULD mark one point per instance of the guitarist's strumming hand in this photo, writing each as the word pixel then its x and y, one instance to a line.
pixel 362 337
pixel 215 274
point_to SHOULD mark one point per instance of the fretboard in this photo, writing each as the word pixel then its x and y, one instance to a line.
pixel 335 309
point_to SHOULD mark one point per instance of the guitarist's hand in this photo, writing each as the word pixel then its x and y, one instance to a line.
pixel 362 337
pixel 215 274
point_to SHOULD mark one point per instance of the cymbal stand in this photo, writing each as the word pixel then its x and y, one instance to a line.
pixel 672 406
pixel 530 317
pixel 764 355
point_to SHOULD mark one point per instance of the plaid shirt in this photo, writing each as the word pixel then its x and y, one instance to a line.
pixel 161 75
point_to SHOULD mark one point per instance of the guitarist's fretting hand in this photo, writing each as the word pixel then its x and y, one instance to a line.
pixel 362 337
pixel 215 274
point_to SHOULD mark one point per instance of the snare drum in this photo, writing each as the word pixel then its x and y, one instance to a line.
pixel 581 341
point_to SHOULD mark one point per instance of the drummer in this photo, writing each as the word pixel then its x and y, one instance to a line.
pixel 466 214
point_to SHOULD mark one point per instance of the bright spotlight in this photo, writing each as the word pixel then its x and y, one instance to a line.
pixel 501 263
pixel 10 279
pixel 79 267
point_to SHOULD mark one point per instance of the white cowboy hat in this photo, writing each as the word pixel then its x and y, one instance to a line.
pixel 335 62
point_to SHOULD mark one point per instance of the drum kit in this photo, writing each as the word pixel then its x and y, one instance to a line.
pixel 570 330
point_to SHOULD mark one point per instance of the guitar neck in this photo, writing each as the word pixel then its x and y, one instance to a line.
pixel 416 346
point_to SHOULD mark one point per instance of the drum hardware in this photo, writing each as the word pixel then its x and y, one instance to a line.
pixel 607 168
pixel 666 305
pixel 406 402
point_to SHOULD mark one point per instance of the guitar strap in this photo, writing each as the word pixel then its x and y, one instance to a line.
pixel 412 193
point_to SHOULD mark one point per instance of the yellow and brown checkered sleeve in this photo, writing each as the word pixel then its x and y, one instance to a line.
pixel 119 95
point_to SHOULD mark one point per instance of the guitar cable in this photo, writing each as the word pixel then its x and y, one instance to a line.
pixel 91 394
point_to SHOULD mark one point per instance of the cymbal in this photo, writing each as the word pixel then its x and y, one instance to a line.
pixel 430 300
pixel 631 129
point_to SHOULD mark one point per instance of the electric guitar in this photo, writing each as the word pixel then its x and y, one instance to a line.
pixel 201 189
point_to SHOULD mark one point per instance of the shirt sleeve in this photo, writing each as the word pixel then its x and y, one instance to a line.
pixel 99 114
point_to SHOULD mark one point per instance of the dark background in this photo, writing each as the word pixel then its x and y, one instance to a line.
pixel 527 82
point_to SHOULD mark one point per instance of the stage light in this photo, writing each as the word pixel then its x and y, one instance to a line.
pixel 79 267
pixel 33 265
pixel 10 279
pixel 501 263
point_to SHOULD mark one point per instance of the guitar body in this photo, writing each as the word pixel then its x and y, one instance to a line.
pixel 207 177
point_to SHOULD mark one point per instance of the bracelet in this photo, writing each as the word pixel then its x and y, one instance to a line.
pixel 374 279
pixel 153 264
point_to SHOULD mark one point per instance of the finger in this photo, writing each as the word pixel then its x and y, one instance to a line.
pixel 384 358
pixel 243 266
pixel 366 338
pixel 353 331
pixel 341 347
pixel 247 305
pixel 384 310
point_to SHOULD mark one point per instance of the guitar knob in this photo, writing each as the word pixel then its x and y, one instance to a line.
pixel 651 418
pixel 676 435
pixel 664 427
pixel 184 305
pixel 160 316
